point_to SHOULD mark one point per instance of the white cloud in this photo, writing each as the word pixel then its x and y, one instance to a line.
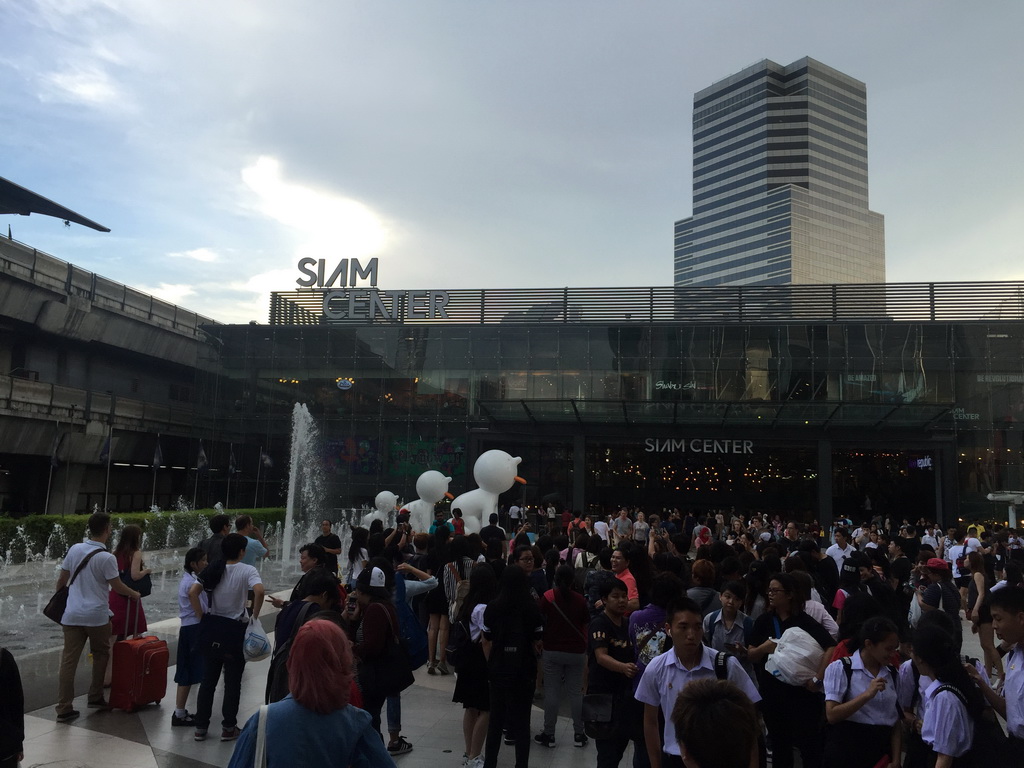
pixel 175 293
pixel 325 224
pixel 196 254
pixel 86 85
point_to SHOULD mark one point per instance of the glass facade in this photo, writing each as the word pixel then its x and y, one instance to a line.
pixel 782 416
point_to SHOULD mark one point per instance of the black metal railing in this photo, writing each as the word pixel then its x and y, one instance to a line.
pixel 904 302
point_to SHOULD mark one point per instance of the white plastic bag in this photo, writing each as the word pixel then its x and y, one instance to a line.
pixel 796 659
pixel 256 645
pixel 914 614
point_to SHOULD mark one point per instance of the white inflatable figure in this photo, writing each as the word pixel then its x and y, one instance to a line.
pixel 495 473
pixel 432 486
pixel 385 503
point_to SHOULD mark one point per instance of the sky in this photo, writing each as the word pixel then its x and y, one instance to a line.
pixel 469 144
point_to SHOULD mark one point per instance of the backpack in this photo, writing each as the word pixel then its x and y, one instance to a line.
pixel 460 644
pixel 277 675
pixel 722 665
pixel 990 743
pixel 847 662
pixel 461 590
pixel 961 560
pixel 409 627
pixel 703 536
pixel 512 650
pixel 580 578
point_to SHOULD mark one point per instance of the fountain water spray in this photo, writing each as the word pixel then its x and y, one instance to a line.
pixel 305 476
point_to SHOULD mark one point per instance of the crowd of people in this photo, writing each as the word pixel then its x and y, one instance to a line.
pixel 704 641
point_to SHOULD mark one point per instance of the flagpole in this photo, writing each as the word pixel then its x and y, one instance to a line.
pixel 195 491
pixel 152 500
pixel 49 480
pixel 259 468
pixel 110 451
pixel 231 468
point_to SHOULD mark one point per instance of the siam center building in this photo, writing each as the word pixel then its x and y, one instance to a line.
pixel 780 182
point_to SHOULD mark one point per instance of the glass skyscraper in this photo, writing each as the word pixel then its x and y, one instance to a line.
pixel 780 182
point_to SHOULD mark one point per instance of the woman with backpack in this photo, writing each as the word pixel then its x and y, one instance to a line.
pixel 471 688
pixel 512 634
pixel 952 702
pixel 861 700
pixel 565 617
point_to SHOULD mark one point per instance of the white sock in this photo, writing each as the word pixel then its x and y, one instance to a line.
pixel 180 712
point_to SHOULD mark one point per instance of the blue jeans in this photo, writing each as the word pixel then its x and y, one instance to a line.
pixel 395 713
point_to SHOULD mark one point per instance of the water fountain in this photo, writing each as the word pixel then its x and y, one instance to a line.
pixel 305 475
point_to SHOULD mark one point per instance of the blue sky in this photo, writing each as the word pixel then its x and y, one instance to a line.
pixel 473 144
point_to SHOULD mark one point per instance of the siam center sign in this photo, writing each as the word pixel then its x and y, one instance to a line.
pixel 343 300
pixel 697 445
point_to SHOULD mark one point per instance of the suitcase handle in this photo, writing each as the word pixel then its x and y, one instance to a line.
pixel 138 610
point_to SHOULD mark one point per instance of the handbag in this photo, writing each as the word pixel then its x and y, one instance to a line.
pixel 58 604
pixel 391 672
pixel 598 719
pixel 143 586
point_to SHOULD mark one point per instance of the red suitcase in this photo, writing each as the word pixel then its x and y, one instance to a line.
pixel 139 672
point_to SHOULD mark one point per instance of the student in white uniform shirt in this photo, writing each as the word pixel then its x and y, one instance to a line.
pixel 1007 606
pixel 663 679
pixel 861 701
pixel 951 702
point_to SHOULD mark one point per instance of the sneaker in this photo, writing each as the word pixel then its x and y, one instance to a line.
pixel 99 704
pixel 399 747
pixel 200 734
pixel 442 668
pixel 476 762
pixel 509 738
pixel 432 669
pixel 580 740
pixel 186 719
pixel 544 739
pixel 230 734
pixel 67 717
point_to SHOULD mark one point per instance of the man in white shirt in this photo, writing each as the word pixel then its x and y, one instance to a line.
pixel 668 674
pixel 601 529
pixel 842 549
pixel 87 616
pixel 929 538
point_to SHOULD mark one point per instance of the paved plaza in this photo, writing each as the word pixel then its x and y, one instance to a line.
pixel 145 739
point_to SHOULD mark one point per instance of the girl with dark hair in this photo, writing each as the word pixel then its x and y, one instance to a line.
pixel 129 563
pixel 471 687
pixel 526 559
pixel 376 628
pixel 757 580
pixel 861 700
pixel 512 634
pixel 565 617
pixel 316 725
pixel 436 601
pixel 190 667
pixel 980 616
pixel 792 713
pixel 952 702
pixel 552 561
pixel 358 556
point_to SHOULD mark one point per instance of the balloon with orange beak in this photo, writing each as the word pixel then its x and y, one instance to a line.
pixel 495 472
pixel 432 486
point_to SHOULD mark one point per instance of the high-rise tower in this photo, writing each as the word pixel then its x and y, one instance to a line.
pixel 780 182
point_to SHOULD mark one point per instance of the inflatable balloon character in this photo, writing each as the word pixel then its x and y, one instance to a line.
pixel 495 473
pixel 385 503
pixel 432 486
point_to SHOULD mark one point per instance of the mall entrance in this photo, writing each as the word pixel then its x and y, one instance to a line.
pixel 796 479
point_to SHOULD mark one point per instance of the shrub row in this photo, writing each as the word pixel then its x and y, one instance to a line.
pixel 37 531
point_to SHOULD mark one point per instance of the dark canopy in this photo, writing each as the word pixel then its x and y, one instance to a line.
pixel 17 199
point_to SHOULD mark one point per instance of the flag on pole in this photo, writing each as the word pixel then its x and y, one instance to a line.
pixel 57 440
pixel 265 460
pixel 105 451
pixel 231 460
pixel 201 462
pixel 158 455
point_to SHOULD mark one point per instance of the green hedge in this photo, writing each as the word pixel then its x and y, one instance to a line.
pixel 37 529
